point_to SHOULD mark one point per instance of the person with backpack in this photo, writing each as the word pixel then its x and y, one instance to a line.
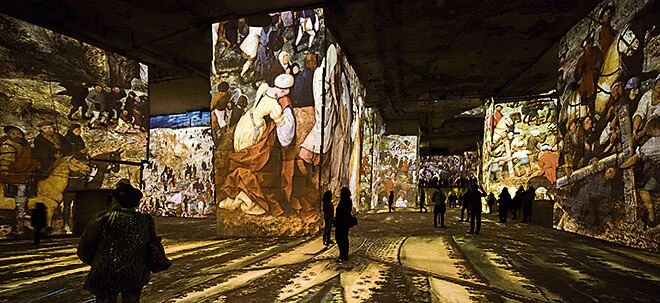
pixel 439 208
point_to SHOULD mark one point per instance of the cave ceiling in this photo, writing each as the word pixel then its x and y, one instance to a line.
pixel 422 60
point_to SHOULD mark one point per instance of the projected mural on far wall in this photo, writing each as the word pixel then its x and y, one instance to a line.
pixel 177 181
pixel 70 112
pixel 395 169
pixel 519 147
pixel 609 125
pixel 271 135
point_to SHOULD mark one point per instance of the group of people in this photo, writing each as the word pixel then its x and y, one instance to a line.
pixel 105 105
pixel 522 200
pixel 23 164
pixel 343 220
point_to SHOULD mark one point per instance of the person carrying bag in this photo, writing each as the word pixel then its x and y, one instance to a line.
pixel 122 249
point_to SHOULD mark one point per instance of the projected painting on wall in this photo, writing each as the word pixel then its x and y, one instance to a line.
pixel 395 167
pixel 519 147
pixel 177 178
pixel 449 170
pixel 271 135
pixel 372 130
pixel 608 125
pixel 69 112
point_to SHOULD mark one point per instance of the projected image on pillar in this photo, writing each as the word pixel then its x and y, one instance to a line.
pixel 177 180
pixel 74 117
pixel 519 147
pixel 372 131
pixel 608 125
pixel 285 130
pixel 395 167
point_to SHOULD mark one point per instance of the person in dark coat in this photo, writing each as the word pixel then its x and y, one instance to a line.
pixel 465 207
pixel 78 92
pixel 439 207
pixel 343 222
pixel 38 221
pixel 115 243
pixel 530 195
pixel 47 149
pixel 490 200
pixel 517 202
pixel 390 201
pixel 422 199
pixel 73 143
pixel 302 94
pixel 328 215
pixel 504 202
pixel 473 198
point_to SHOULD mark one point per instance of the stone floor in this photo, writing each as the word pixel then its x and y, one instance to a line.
pixel 397 257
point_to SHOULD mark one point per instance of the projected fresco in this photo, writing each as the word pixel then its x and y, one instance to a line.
pixel 70 112
pixel 283 133
pixel 608 125
pixel 395 169
pixel 177 179
pixel 372 130
pixel 448 171
pixel 519 147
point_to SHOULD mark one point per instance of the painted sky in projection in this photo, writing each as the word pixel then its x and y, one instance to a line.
pixel 608 125
pixel 270 139
pixel 67 109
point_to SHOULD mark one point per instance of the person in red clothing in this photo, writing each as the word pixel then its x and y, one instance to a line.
pixel 328 215
pixel 548 161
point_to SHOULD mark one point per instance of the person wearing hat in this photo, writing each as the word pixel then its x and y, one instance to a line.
pixel 47 148
pixel 16 168
pixel 116 246
pixel 252 125
pixel 548 162
pixel 649 106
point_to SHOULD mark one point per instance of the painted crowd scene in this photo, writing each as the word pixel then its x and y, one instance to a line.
pixel 608 140
pixel 286 120
pixel 74 117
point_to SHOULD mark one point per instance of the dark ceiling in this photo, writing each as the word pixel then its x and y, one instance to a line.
pixel 420 60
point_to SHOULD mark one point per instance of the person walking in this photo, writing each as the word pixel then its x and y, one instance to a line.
pixel 473 197
pixel 422 199
pixel 390 201
pixel 116 245
pixel 439 207
pixel 490 200
pixel 343 222
pixel 504 202
pixel 328 215
pixel 38 220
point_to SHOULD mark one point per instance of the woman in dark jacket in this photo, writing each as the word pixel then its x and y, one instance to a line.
pixel 115 244
pixel 343 222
